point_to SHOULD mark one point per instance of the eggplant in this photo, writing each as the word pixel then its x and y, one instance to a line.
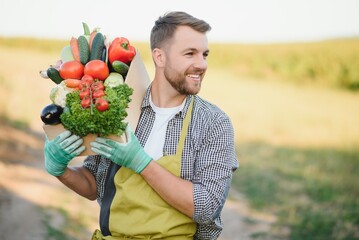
pixel 50 115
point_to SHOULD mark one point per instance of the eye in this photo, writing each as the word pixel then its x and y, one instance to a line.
pixel 205 55
pixel 189 54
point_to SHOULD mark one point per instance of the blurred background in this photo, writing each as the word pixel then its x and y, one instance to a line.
pixel 286 72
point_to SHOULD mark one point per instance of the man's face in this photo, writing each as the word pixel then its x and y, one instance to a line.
pixel 186 60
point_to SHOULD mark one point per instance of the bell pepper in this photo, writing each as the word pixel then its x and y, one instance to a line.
pixel 120 49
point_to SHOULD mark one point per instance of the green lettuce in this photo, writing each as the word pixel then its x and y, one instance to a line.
pixel 82 121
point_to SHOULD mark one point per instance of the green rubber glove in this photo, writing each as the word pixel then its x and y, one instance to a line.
pixel 130 154
pixel 59 151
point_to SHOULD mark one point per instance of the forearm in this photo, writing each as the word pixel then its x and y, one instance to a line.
pixel 176 191
pixel 81 181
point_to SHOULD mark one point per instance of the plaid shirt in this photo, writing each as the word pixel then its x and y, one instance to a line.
pixel 208 159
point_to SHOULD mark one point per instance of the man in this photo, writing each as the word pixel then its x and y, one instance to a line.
pixel 170 180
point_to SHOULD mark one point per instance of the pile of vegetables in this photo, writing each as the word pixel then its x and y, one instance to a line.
pixel 90 96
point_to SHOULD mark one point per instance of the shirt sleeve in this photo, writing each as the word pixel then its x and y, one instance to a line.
pixel 216 160
pixel 98 166
pixel 91 163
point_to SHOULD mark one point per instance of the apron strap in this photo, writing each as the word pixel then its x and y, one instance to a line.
pixel 184 131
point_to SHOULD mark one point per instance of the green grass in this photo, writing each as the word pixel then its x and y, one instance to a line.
pixel 50 46
pixel 332 63
pixel 56 232
pixel 18 124
pixel 314 192
pixel 67 228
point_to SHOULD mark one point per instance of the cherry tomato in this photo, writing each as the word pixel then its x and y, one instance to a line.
pixel 71 69
pixel 86 102
pixel 86 81
pixel 101 104
pixel 97 69
pixel 97 86
pixel 85 92
pixel 98 94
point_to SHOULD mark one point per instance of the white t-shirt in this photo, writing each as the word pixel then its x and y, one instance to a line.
pixel 156 140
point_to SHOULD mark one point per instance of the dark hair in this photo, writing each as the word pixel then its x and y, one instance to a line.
pixel 166 25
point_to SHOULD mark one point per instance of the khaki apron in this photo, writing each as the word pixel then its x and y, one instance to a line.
pixel 138 212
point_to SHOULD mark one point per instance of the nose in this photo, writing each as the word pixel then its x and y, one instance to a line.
pixel 200 62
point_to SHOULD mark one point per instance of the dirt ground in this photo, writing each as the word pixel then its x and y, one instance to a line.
pixel 35 206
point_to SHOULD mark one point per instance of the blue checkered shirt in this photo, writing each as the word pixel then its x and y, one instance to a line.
pixel 208 159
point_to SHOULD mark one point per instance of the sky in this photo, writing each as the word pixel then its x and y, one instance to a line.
pixel 243 21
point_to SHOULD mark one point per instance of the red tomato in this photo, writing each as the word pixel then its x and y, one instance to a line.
pixel 97 86
pixel 71 69
pixel 87 78
pixel 97 69
pixel 98 94
pixel 85 92
pixel 101 104
pixel 86 102
pixel 86 81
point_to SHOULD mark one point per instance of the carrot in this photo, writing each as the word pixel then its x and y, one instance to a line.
pixel 92 36
pixel 75 48
pixel 72 83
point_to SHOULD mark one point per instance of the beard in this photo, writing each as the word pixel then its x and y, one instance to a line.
pixel 178 82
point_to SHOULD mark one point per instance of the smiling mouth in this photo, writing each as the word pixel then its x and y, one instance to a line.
pixel 195 77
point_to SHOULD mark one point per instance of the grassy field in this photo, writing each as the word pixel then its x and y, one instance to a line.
pixel 298 144
pixel 331 63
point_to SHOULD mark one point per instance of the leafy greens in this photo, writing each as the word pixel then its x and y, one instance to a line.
pixel 82 121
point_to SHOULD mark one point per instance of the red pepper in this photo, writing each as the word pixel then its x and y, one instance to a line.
pixel 120 49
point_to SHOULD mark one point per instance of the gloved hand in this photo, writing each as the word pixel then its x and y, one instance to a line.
pixel 59 151
pixel 130 154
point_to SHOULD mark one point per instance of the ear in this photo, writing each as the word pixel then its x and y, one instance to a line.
pixel 158 57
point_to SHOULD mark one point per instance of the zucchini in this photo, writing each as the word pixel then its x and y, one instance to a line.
pixel 84 49
pixel 120 67
pixel 98 44
pixel 54 75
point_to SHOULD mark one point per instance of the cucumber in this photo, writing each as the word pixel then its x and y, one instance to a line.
pixel 84 49
pixel 54 75
pixel 98 44
pixel 120 67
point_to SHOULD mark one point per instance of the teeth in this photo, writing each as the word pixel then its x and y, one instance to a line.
pixel 193 76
